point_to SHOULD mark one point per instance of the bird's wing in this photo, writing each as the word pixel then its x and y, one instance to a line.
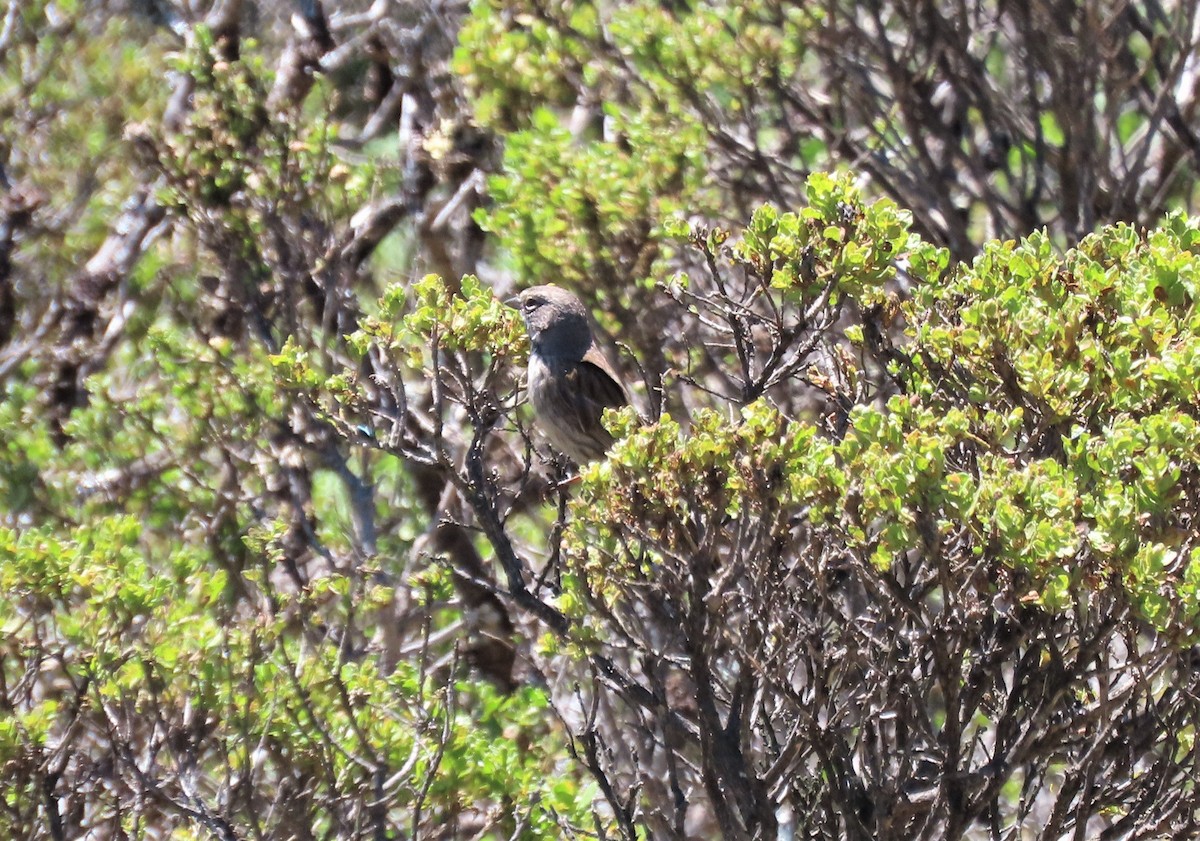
pixel 605 386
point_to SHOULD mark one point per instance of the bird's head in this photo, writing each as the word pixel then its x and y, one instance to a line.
pixel 557 321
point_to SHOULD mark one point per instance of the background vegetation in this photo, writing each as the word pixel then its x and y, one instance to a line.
pixel 903 544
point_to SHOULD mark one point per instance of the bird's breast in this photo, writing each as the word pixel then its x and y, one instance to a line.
pixel 548 377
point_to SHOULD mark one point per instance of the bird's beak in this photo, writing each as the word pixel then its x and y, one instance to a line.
pixel 514 302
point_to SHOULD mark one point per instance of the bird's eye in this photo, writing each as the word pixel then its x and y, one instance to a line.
pixel 533 303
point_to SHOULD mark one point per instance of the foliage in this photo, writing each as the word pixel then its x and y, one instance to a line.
pixel 897 541
pixel 1022 498
pixel 985 120
pixel 193 626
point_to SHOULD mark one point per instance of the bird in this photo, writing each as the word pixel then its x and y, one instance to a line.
pixel 570 382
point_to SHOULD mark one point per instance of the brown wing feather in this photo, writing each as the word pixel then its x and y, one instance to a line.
pixel 608 391
pixel 569 397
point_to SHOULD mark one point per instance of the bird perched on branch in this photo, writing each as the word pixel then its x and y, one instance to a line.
pixel 570 381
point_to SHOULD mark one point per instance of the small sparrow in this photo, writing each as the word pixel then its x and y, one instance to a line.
pixel 570 381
